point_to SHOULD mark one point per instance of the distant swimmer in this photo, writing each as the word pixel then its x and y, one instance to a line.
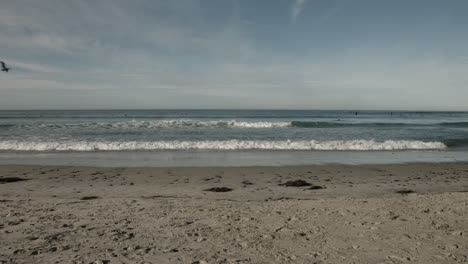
pixel 4 67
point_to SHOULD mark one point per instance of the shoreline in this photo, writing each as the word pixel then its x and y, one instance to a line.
pixel 392 213
pixel 461 162
pixel 165 159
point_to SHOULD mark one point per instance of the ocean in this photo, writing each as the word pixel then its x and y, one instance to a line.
pixel 230 137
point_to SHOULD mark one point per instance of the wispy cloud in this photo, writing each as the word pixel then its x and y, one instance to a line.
pixel 38 84
pixel 297 7
pixel 33 67
pixel 166 53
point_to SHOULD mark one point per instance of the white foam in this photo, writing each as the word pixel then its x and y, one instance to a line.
pixel 360 145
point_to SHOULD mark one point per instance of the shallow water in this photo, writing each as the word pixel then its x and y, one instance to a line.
pixel 206 158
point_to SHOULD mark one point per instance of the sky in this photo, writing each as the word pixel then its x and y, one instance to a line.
pixel 234 54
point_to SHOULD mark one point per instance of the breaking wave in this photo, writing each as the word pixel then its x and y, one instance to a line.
pixel 358 145
pixel 191 123
pixel 145 124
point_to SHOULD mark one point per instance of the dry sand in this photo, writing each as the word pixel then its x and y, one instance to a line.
pixel 165 215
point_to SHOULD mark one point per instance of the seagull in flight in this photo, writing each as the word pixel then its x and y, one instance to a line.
pixel 4 67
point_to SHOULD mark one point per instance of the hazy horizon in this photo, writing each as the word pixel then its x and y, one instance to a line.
pixel 285 54
pixel 235 109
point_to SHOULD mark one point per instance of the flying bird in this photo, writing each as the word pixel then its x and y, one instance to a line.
pixel 4 67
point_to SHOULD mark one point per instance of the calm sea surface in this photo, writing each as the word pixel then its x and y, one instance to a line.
pixel 230 137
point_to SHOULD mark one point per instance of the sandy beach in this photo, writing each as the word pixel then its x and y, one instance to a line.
pixel 408 213
pixel 233 132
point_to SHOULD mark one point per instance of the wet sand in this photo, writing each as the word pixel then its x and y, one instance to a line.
pixel 407 213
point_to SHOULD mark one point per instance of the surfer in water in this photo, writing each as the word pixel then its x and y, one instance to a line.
pixel 4 67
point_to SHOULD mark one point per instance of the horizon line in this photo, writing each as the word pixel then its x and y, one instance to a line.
pixel 231 109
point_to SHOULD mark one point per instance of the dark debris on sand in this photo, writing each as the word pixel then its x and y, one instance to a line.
pixel 302 183
pixel 11 179
pixel 296 183
pixel 219 189
pixel 89 198
pixel 247 183
pixel 405 191
pixel 316 187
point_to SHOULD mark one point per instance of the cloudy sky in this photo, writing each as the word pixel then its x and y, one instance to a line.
pixel 274 54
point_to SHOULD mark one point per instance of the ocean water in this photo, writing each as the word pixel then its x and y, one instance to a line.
pixel 191 136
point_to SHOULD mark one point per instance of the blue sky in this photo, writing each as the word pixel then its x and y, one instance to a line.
pixel 274 54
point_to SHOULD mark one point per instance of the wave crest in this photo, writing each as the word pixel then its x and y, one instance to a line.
pixel 151 124
pixel 360 145
pixel 192 123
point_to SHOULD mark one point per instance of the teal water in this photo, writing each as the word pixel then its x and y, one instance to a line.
pixel 284 134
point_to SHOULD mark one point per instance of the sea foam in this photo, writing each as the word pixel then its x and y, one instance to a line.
pixel 355 145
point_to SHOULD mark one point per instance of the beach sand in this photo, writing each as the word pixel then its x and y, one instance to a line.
pixel 407 213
